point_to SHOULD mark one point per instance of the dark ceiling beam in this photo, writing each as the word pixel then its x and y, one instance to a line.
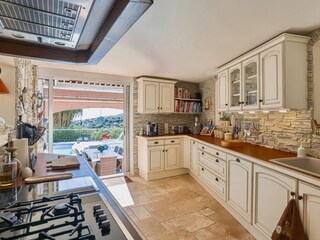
pixel 42 52
pixel 121 18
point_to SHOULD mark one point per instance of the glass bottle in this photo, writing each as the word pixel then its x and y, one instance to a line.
pixel 8 171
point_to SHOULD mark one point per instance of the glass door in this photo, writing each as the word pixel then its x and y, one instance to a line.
pixel 250 83
pixel 235 87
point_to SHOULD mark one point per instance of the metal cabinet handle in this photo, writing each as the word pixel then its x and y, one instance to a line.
pixel 292 194
pixel 217 179
pixel 162 150
pixel 300 197
pixel 237 160
pixel 260 100
pixel 202 153
pixel 202 147
pixel 166 150
pixel 157 107
pixel 194 142
pixel 202 169
pixel 226 104
pixel 217 153
pixel 172 141
pixel 156 142
pixel 161 108
pixel 217 160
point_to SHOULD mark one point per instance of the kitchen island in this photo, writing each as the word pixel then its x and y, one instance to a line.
pixel 84 174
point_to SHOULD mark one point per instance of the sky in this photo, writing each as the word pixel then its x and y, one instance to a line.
pixel 88 113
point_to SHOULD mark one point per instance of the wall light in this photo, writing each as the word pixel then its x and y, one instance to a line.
pixel 3 88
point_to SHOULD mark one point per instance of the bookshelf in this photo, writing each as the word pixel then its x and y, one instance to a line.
pixel 187 106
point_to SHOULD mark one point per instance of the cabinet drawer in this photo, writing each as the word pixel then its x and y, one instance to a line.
pixel 172 141
pixel 216 183
pixel 213 163
pixel 212 151
pixel 155 142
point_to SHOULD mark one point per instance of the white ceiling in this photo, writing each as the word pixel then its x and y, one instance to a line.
pixel 189 39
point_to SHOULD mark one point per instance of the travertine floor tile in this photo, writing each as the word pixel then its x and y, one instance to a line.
pixel 179 208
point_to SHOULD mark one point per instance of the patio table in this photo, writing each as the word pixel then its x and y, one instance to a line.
pixel 95 155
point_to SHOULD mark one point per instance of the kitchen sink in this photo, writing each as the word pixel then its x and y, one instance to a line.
pixel 304 164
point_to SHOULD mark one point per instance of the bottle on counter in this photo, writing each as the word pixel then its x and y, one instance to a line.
pixel 301 152
pixel 8 171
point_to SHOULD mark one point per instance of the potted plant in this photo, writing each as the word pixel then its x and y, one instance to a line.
pixel 225 120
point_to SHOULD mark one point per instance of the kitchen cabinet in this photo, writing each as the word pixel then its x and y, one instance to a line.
pixel 309 207
pixel 159 157
pixel 194 157
pixel 269 77
pixel 212 168
pixel 272 192
pixel 239 193
pixel 155 95
pixel 222 91
pixel 251 83
pixel 235 87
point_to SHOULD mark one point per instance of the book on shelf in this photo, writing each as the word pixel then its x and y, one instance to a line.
pixel 181 106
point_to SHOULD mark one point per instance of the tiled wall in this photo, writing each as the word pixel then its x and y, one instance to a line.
pixel 140 120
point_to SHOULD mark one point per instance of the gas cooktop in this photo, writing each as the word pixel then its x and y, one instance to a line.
pixel 66 216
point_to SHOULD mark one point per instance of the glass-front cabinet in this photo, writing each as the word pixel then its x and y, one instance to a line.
pixel 235 87
pixel 250 83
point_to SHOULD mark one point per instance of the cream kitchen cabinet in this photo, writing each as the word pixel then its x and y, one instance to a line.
pixel 272 76
pixel 222 91
pixel 235 87
pixel 239 193
pixel 155 95
pixel 309 207
pixel 194 157
pixel 213 168
pixel 159 157
pixel 272 192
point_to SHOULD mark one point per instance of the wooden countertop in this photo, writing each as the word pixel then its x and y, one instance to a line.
pixel 251 150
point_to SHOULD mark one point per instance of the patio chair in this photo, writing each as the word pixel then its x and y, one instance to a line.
pixel 116 149
pixel 86 157
pixel 120 151
pixel 106 166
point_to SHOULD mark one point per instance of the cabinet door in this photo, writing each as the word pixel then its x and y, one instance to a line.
pixel 239 182
pixel 166 97
pixel 156 158
pixel 271 196
pixel 309 207
pixel 250 87
pixel 194 157
pixel 222 91
pixel 235 78
pixel 172 156
pixel 271 77
pixel 151 97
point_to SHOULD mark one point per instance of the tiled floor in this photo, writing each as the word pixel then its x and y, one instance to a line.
pixel 175 208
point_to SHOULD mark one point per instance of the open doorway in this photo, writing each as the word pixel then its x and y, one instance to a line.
pixel 88 119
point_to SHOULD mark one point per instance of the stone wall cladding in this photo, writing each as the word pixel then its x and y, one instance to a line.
pixel 283 131
pixel 140 120
pixel 207 89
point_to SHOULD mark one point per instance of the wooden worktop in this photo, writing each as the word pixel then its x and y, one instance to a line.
pixel 251 150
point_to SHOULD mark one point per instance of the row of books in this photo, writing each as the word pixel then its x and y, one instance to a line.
pixel 187 106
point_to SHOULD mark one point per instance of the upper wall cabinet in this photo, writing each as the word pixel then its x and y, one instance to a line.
pixel 272 76
pixel 155 95
pixel 222 91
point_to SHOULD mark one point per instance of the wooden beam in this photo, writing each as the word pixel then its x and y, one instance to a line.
pixel 123 15
pixel 121 18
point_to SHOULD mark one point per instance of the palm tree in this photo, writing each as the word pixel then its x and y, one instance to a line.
pixel 64 118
